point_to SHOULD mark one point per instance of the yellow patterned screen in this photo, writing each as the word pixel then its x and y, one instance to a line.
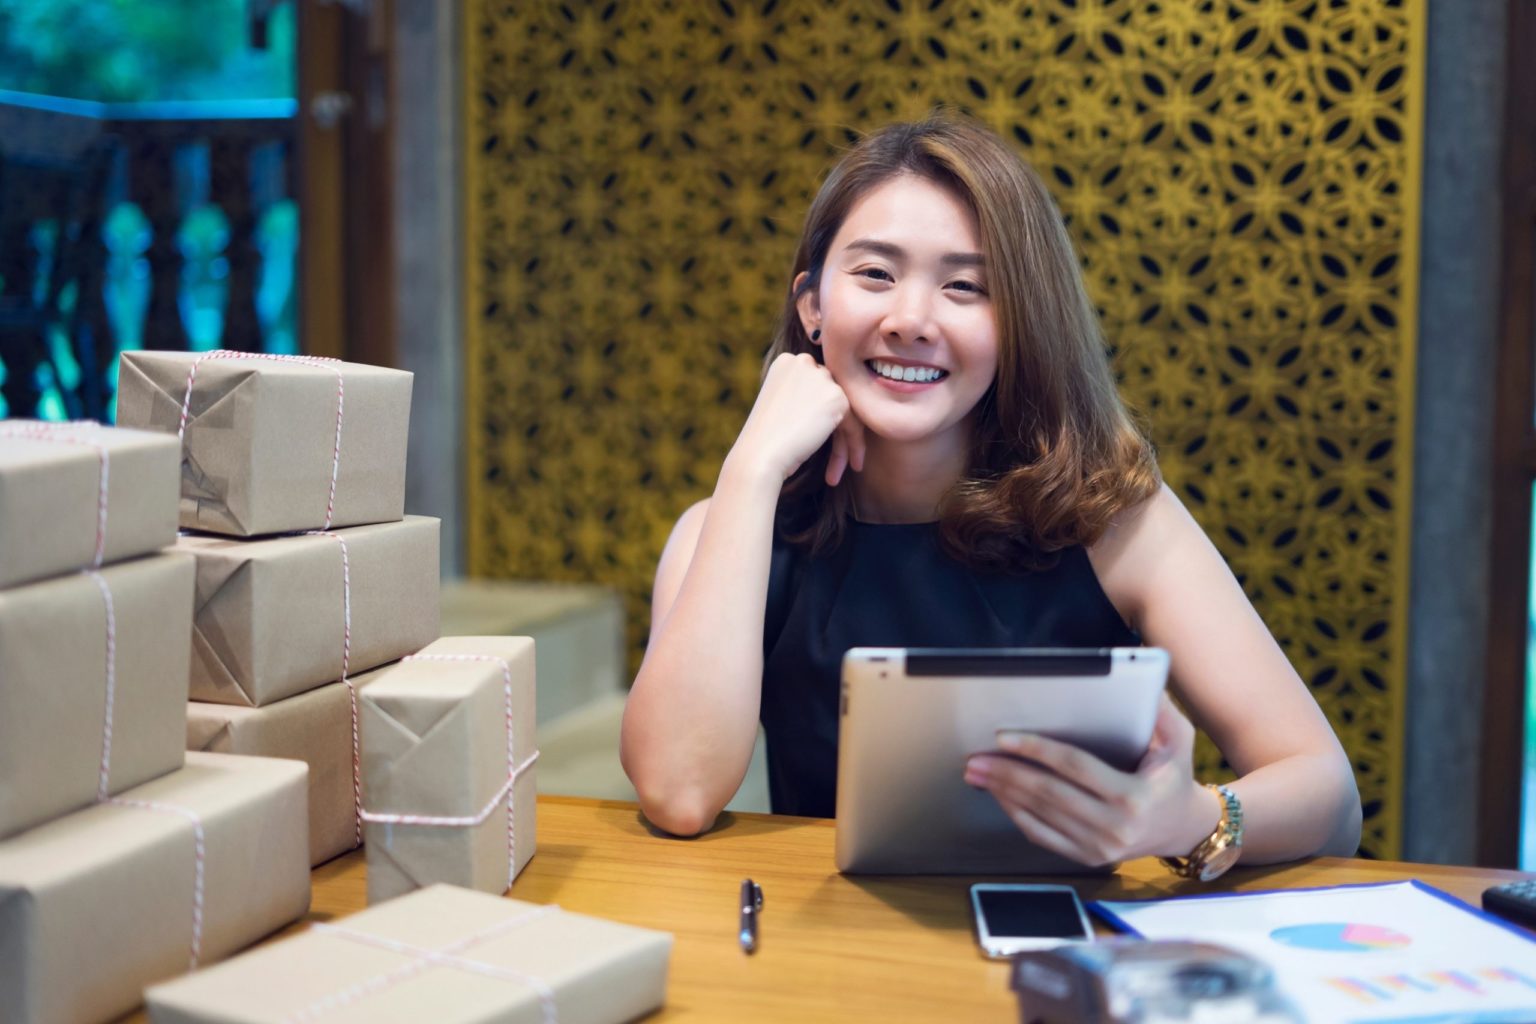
pixel 1240 176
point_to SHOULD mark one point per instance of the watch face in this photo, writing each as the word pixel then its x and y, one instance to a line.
pixel 1219 861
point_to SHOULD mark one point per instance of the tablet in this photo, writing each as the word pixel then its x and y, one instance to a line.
pixel 911 716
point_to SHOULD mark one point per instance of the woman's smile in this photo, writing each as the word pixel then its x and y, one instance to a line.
pixel 904 377
pixel 904 320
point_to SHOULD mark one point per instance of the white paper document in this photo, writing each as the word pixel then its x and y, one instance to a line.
pixel 1385 953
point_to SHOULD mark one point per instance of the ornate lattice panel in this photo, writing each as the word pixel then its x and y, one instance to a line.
pixel 1240 177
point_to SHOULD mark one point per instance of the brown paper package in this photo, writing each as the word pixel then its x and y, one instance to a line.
pixel 53 490
pixel 259 446
pixel 53 686
pixel 434 743
pixel 100 903
pixel 314 727
pixel 599 972
pixel 270 619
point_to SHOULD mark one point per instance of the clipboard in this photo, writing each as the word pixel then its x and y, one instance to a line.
pixel 1373 953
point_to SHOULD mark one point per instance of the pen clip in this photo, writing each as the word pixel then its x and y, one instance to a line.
pixel 751 906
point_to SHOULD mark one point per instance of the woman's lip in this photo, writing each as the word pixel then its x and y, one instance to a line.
pixel 903 363
pixel 902 386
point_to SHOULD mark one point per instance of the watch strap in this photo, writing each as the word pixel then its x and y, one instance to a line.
pixel 1228 833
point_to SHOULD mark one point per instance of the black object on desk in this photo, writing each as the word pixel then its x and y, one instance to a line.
pixel 1513 901
pixel 1131 981
pixel 751 907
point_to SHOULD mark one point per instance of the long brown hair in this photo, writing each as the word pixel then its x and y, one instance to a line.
pixel 1055 456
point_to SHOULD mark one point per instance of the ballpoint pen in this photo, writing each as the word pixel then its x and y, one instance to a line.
pixel 751 907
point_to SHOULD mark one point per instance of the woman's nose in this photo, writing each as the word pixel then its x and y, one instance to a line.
pixel 907 319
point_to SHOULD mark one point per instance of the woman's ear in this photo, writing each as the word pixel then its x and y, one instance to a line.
pixel 808 305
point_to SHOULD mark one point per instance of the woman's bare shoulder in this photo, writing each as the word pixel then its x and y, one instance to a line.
pixel 685 534
pixel 1125 557
pixel 692 519
pixel 677 556
pixel 1147 521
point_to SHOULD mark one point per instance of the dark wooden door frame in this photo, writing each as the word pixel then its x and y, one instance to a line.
pixel 1514 461
pixel 346 248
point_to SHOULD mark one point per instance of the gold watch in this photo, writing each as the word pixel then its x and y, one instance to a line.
pixel 1218 851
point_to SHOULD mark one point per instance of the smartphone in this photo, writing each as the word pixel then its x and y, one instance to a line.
pixel 1015 918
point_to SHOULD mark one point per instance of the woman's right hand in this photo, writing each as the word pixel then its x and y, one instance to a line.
pixel 797 409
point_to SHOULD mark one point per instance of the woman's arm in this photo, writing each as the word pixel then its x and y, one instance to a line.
pixel 691 718
pixel 1297 791
pixel 1294 780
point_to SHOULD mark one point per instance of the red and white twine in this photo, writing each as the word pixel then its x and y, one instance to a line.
pixel 70 433
pixel 422 959
pixel 465 820
pixel 73 433
pixel 320 362
pixel 514 770
pixel 346 661
pixel 199 854
pixel 77 432
pixel 105 768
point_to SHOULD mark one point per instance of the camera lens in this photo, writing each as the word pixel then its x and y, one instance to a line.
pixel 1204 982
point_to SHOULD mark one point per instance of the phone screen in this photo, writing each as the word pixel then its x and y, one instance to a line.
pixel 1032 914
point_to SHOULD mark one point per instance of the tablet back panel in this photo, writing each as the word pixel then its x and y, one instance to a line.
pixel 911 717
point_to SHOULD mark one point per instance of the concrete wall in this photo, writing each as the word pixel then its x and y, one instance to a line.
pixel 428 279
pixel 1458 325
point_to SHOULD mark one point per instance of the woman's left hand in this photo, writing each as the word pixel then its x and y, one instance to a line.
pixel 1068 801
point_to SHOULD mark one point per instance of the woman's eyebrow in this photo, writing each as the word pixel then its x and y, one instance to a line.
pixel 877 248
pixel 963 259
pixel 896 252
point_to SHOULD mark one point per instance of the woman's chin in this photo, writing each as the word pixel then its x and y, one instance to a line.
pixel 901 432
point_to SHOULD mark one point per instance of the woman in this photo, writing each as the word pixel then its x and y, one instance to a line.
pixel 938 457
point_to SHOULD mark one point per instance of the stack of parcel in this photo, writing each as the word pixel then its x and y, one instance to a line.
pixel 123 860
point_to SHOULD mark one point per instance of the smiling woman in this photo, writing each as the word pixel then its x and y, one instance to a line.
pixel 894 294
pixel 942 223
pixel 938 457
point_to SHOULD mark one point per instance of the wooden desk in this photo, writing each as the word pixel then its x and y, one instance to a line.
pixel 832 948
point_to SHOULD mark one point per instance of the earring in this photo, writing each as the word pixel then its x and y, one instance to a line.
pixel 816 335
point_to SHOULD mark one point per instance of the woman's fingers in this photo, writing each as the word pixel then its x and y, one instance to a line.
pixel 1067 806
pixel 1099 832
pixel 847 448
pixel 1039 832
pixel 853 429
pixel 1069 762
pixel 838 461
pixel 1173 736
pixel 799 406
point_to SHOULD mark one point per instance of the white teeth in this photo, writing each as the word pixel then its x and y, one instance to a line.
pixel 916 374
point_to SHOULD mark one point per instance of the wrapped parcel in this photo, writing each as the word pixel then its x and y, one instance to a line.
pixel 177 873
pixel 282 615
pixel 274 444
pixel 448 751
pixel 93 681
pixel 314 727
pixel 74 495
pixel 443 954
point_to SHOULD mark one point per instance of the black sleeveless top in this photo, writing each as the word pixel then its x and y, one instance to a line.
pixel 893 586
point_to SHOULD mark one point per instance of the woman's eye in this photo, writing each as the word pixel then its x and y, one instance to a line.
pixel 875 274
pixel 969 286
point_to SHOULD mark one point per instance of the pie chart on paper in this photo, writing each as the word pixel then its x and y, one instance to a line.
pixel 1340 937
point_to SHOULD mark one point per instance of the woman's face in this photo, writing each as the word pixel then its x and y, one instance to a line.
pixel 907 325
